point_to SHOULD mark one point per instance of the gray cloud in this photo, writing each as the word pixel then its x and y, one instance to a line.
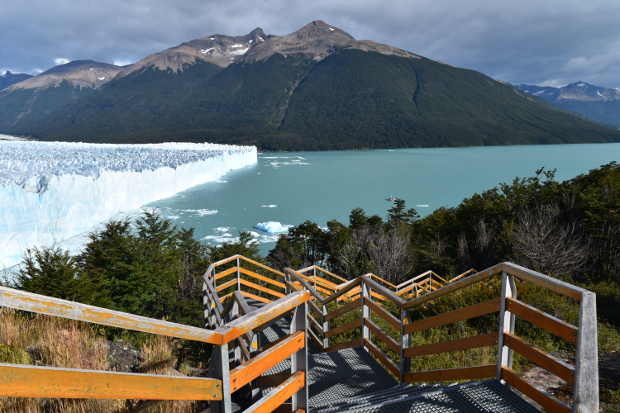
pixel 533 41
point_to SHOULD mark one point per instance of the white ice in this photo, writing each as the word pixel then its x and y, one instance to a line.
pixel 53 191
pixel 272 227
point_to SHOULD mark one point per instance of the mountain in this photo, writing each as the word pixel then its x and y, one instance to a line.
pixel 596 103
pixel 315 88
pixel 9 78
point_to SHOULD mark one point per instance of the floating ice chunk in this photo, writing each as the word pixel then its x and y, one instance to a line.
pixel 272 227
pixel 269 206
pixel 331 29
pixel 422 205
pixel 101 78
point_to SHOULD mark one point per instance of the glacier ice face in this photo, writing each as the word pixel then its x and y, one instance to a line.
pixel 52 191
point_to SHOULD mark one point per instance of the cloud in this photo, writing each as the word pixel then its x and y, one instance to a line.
pixel 61 61
pixel 526 41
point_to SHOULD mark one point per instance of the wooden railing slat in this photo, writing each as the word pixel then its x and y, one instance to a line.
pixel 252 274
pixel 344 309
pixel 279 395
pixel 263 266
pixel 344 327
pixel 382 358
pixel 544 281
pixel 226 285
pixel 472 311
pixel 549 403
pixel 536 356
pixel 51 382
pixel 463 373
pixel 258 287
pixel 224 273
pixel 251 369
pixel 383 313
pixel 377 332
pixel 256 297
pixel 349 344
pixel 22 300
pixel 543 320
pixel 343 291
pixel 482 340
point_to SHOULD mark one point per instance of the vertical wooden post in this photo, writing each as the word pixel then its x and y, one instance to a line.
pixel 299 360
pixel 506 323
pixel 365 310
pixel 222 370
pixel 405 342
pixel 234 313
pixel 238 276
pixel 586 393
pixel 325 327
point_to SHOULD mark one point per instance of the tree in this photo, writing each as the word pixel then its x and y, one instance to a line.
pixel 50 272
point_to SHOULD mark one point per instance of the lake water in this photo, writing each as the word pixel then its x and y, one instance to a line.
pixel 289 188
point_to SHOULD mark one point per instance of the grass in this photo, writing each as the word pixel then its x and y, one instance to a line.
pixel 49 341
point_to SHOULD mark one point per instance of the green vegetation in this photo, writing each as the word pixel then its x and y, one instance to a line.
pixel 351 99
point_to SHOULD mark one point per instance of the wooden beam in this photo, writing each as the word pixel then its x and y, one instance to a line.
pixel 226 285
pixel 22 300
pixel 382 358
pixel 476 310
pixel 378 333
pixel 260 288
pixel 263 266
pixel 349 344
pixel 351 285
pixel 383 291
pixel 263 315
pixel 50 382
pixel 543 320
pixel 465 373
pixel 261 277
pixel 482 340
pixel 544 281
pixel 229 271
pixel 344 327
pixel 383 313
pixel 251 369
pixel 549 403
pixel 344 309
pixel 256 297
pixel 541 359
pixel 279 395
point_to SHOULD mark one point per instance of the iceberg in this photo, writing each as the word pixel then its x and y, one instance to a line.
pixel 272 227
pixel 51 192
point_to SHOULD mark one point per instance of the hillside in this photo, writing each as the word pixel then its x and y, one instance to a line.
pixel 316 88
pixel 8 78
pixel 596 103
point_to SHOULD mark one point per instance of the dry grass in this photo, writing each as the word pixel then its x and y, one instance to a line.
pixel 50 341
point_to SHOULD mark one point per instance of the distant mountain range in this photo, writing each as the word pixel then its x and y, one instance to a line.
pixel 596 103
pixel 8 79
pixel 316 88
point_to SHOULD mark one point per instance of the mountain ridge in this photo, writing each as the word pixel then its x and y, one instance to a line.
pixel 315 88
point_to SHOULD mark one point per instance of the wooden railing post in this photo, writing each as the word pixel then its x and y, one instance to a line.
pixel 325 327
pixel 506 323
pixel 586 393
pixel 405 342
pixel 299 360
pixel 238 276
pixel 365 310
pixel 222 370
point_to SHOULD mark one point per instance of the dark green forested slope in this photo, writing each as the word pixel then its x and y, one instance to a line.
pixel 351 99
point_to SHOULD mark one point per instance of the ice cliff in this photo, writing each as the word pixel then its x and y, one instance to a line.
pixel 53 191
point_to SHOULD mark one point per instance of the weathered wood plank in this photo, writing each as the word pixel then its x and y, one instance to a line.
pixel 344 309
pixel 383 291
pixel 51 382
pixel 538 357
pixel 256 297
pixel 383 313
pixel 344 328
pixel 549 403
pixel 251 369
pixel 543 320
pixel 279 395
pixel 378 333
pixel 260 288
pixel 351 285
pixel 473 311
pixel 382 358
pixel 227 284
pixel 22 300
pixel 229 271
pixel 297 277
pixel 482 340
pixel 263 266
pixel 263 315
pixel 349 344
pixel 464 373
pixel 543 280
pixel 261 277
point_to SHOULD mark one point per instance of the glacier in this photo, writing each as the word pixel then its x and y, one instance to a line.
pixel 51 192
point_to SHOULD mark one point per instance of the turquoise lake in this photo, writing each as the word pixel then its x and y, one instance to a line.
pixel 289 188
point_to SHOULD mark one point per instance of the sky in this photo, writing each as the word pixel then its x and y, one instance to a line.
pixel 549 42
